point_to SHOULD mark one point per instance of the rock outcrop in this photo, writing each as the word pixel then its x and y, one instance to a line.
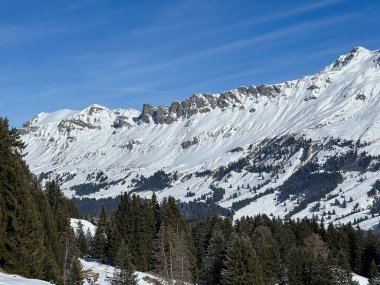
pixel 204 103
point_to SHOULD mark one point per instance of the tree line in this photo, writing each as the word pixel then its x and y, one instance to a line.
pixel 36 239
pixel 213 251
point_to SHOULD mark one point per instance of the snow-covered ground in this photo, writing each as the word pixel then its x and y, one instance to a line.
pixel 362 280
pixel 101 274
pixel 10 279
pixel 86 225
pixel 98 273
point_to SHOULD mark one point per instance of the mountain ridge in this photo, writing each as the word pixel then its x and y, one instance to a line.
pixel 183 148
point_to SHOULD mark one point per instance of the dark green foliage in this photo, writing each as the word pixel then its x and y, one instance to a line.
pixel 158 181
pixel 90 188
pixel 213 265
pixel 74 275
pixel 372 192
pixel 241 265
pixel 99 248
pixel 82 243
pixel 20 226
pixel 87 188
pixel 313 185
pixel 124 272
pixel 232 166
pixel 350 161
pixel 268 253
pixel 173 254
pixel 92 206
pixel 196 211
pixel 217 194
pixel 33 224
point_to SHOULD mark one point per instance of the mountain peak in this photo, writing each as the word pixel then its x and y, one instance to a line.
pixel 357 54
pixel 45 118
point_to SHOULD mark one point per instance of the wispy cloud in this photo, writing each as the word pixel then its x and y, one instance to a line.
pixel 288 13
pixel 129 89
pixel 287 32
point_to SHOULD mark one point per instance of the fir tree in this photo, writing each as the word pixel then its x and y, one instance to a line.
pixel 74 274
pixel 172 255
pixel 213 260
pixel 374 278
pixel 241 264
pixel 22 249
pixel 99 247
pixel 124 272
pixel 267 253
pixel 81 240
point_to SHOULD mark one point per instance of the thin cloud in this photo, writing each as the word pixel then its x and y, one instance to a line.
pixel 243 43
pixel 129 89
pixel 290 12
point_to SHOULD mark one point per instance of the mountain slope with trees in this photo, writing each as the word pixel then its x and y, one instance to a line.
pixel 302 148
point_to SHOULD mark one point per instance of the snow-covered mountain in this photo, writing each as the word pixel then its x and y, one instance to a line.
pixel 300 148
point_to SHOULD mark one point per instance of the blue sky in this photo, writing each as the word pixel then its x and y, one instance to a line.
pixel 70 54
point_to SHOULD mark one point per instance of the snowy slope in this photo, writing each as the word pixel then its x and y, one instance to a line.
pixel 8 279
pixel 97 273
pixel 362 280
pixel 86 225
pixel 100 152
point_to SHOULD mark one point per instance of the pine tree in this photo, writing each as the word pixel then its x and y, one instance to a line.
pixel 241 264
pixel 124 272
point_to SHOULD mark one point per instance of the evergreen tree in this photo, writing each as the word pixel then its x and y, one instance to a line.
pixel 124 273
pixel 172 255
pixel 374 278
pixel 213 260
pixel 74 274
pixel 241 264
pixel 267 253
pixel 82 244
pixel 99 247
pixel 62 210
pixel 22 250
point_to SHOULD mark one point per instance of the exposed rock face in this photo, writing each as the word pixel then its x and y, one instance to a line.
pixel 161 114
pixel 70 125
pixel 27 124
pixel 189 143
pixel 147 113
pixel 121 122
pixel 268 90
pixel 312 87
pixel 95 109
pixel 204 103
pixel 346 59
